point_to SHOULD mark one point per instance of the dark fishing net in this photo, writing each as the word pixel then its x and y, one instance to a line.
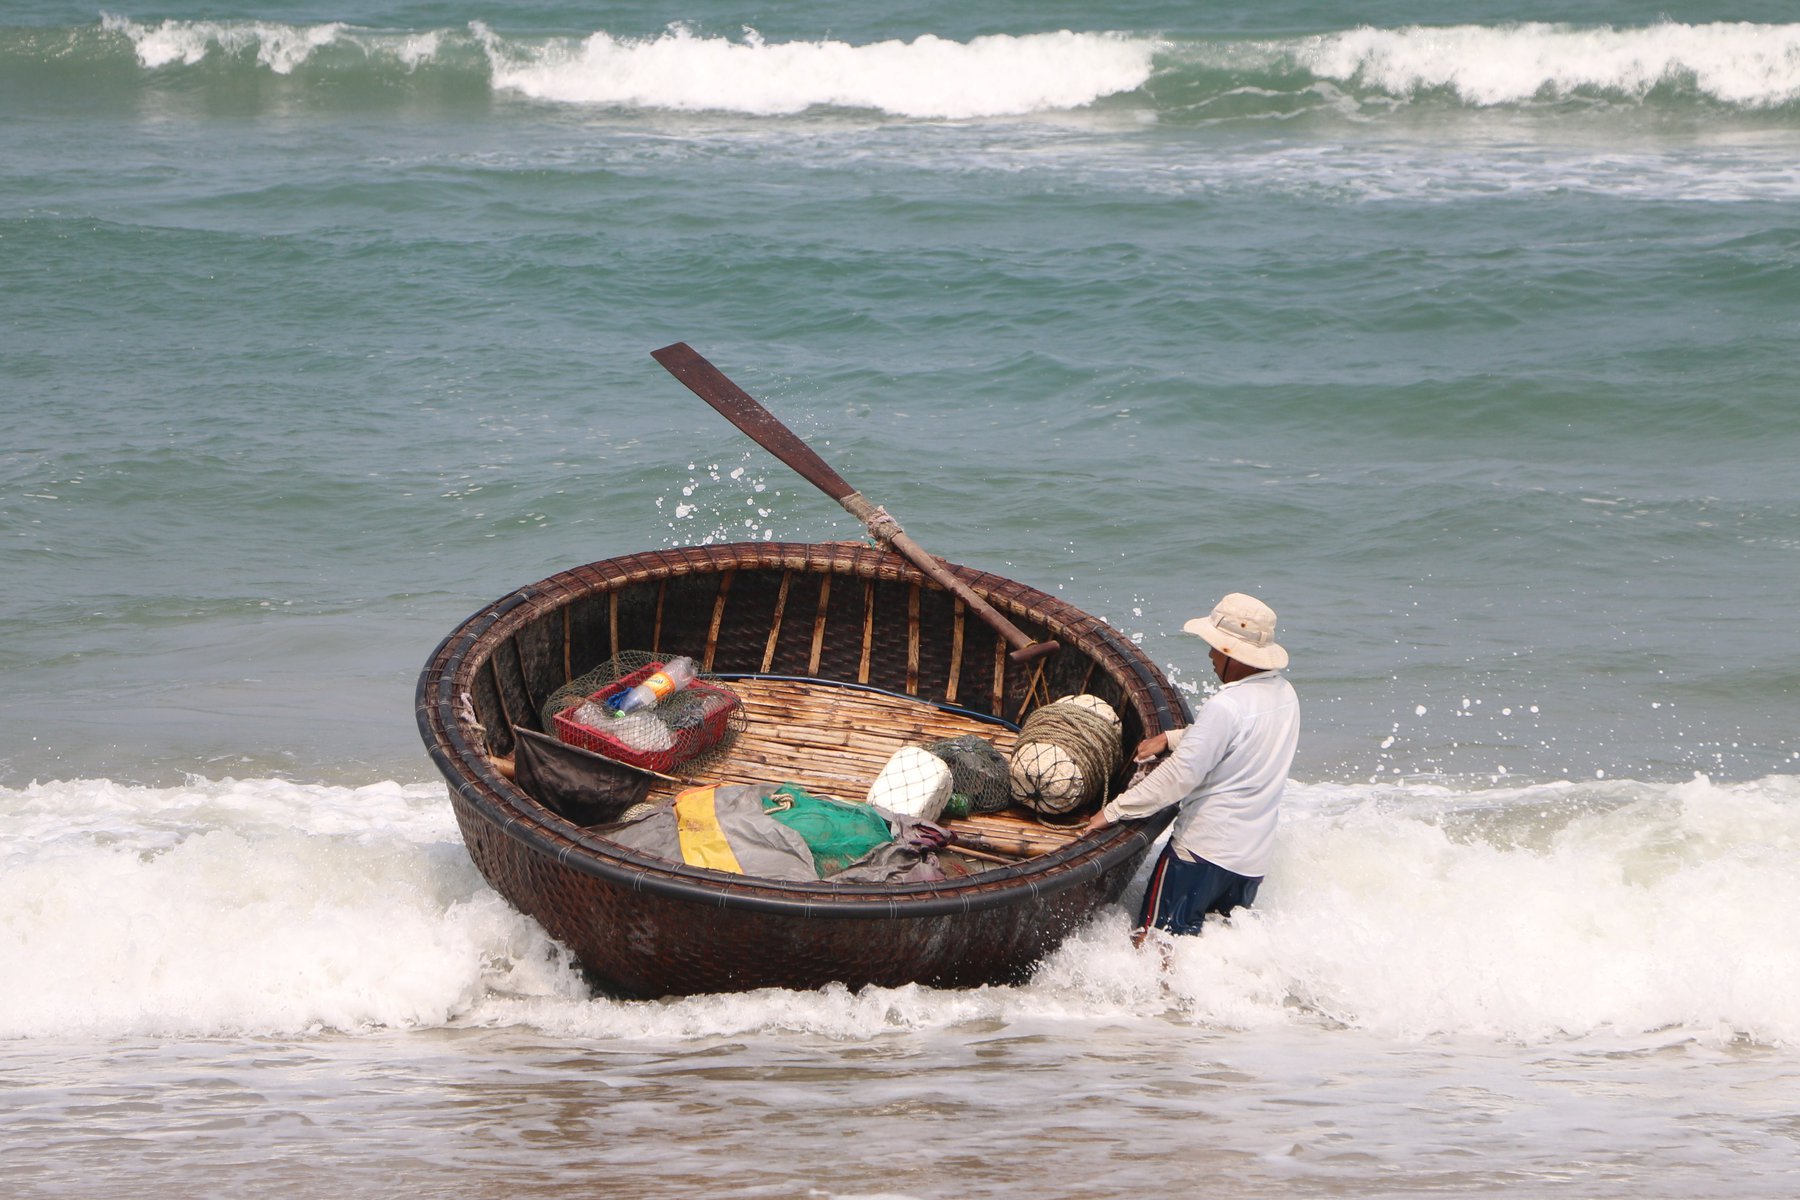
pixel 977 771
pixel 685 731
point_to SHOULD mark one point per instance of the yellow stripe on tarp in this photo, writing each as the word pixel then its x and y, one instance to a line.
pixel 703 843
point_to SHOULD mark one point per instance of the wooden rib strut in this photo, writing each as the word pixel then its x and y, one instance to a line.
pixel 1031 691
pixel 662 593
pixel 912 641
pixel 999 677
pixel 493 665
pixel 718 617
pixel 956 651
pixel 781 595
pixel 818 638
pixel 868 632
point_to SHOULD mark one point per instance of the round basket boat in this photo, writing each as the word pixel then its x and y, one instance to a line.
pixel 842 653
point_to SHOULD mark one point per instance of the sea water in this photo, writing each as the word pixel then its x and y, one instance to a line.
pixel 1461 334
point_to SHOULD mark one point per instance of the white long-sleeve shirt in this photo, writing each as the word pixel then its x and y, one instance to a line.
pixel 1227 771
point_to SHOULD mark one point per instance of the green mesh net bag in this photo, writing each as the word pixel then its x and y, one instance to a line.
pixel 838 832
pixel 978 774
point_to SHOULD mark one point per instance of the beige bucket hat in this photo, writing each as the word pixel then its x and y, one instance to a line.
pixel 1242 627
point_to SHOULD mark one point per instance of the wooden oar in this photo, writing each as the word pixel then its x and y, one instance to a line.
pixel 710 384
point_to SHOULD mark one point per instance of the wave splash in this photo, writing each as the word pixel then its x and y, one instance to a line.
pixel 248 907
pixel 1738 64
pixel 684 71
pixel 1638 911
pixel 927 77
pixel 1364 72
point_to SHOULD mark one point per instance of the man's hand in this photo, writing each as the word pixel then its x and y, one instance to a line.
pixel 1150 747
pixel 1095 823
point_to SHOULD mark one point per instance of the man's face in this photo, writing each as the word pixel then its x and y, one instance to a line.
pixel 1219 659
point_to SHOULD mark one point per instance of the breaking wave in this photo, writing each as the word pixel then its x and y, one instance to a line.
pixel 1537 913
pixel 1751 66
pixel 1365 72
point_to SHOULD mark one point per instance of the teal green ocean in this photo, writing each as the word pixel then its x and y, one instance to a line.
pixel 1464 334
pixel 1469 347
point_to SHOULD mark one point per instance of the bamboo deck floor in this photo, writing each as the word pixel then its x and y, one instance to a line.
pixel 835 740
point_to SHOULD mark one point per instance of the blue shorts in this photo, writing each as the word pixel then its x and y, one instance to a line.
pixel 1181 893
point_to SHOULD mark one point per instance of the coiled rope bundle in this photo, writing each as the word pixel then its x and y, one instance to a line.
pixel 1066 753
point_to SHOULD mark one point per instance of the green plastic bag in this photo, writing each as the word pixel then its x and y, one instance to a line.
pixel 838 832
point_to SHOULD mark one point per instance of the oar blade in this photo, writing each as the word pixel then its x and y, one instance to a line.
pixel 741 409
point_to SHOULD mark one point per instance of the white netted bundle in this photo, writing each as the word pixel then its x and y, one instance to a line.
pixel 1067 751
pixel 914 783
pixel 1095 705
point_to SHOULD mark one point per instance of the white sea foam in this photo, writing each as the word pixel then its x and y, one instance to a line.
pixel 1525 914
pixel 681 70
pixel 281 48
pixel 1735 63
pixel 926 77
pixel 1611 909
pixel 254 906
pixel 1739 64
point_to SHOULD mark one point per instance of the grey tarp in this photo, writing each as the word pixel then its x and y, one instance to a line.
pixel 728 829
pixel 723 825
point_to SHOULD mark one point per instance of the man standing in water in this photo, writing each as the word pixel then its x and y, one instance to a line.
pixel 1226 770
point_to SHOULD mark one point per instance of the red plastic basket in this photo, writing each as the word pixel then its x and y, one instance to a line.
pixel 716 705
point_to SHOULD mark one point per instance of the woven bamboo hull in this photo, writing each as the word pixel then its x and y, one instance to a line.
pixel 637 945
pixel 839 612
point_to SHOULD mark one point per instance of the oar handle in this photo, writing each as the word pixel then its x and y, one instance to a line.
pixel 888 532
pixel 741 409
